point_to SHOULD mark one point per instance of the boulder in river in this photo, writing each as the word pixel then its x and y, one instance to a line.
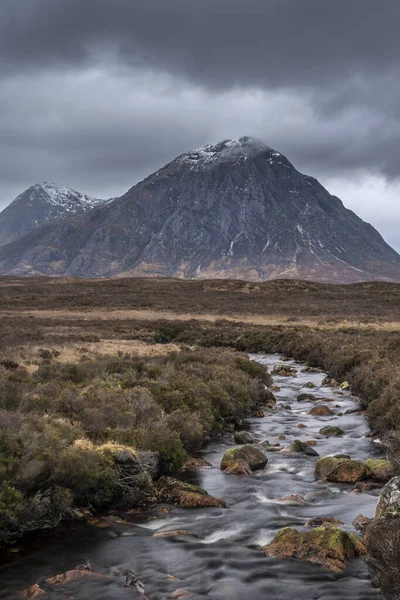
pixel 306 398
pixel 300 447
pixel 380 469
pixel 329 547
pixel 321 411
pixel 331 430
pixel 248 455
pixel 284 371
pixel 268 398
pixel 179 493
pixel 244 437
pixel 341 470
pixel 361 523
pixel 196 463
pixel 310 385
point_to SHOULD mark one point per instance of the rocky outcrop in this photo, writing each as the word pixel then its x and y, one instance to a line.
pixel 179 493
pixel 341 470
pixel 243 460
pixel 329 547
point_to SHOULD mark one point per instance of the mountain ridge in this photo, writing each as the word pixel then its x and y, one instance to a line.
pixel 236 209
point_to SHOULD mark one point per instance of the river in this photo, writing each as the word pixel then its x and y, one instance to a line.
pixel 224 562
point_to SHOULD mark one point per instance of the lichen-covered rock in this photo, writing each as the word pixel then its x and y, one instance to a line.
pixel 329 547
pixel 249 455
pixel 321 411
pixel 179 493
pixel 244 437
pixel 389 500
pixel 379 469
pixel 331 431
pixel 341 470
pixel 306 398
pixel 300 447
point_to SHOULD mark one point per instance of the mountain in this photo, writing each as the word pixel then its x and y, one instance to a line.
pixel 237 209
pixel 41 203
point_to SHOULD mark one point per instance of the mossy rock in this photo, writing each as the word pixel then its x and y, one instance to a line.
pixel 186 495
pixel 310 385
pixel 249 455
pixel 331 431
pixel 341 470
pixel 345 385
pixel 379 469
pixel 321 411
pixel 306 398
pixel 243 437
pixel 300 447
pixel 329 547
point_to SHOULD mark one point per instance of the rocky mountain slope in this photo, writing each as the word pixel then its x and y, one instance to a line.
pixel 41 203
pixel 237 209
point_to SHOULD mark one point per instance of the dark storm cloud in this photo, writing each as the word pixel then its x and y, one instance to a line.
pixel 98 93
pixel 214 42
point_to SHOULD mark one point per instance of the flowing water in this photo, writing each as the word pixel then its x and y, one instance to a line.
pixel 224 562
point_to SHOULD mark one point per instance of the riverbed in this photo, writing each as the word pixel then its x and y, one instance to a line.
pixel 222 559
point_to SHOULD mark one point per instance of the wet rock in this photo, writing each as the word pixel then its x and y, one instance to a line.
pixel 281 437
pixel 269 398
pixel 306 398
pixel 329 547
pixel 181 593
pixel 367 486
pixel 323 522
pixel 294 500
pixel 260 414
pixel 73 575
pixel 275 388
pixel 379 469
pixel 179 493
pixel 248 456
pixel 321 411
pixel 302 426
pixel 285 407
pixel 318 495
pixel 361 523
pixel 132 580
pixel 311 442
pixel 331 431
pixel 341 470
pixel 310 385
pixel 389 500
pixel 33 592
pixel 195 463
pixel 176 533
pixel 239 468
pixel 284 371
pixel 243 437
pixel 298 446
pixel 311 370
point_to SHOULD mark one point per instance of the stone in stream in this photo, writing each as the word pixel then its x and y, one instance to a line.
pixel 323 521
pixel 284 371
pixel 380 469
pixel 179 493
pixel 302 426
pixel 311 442
pixel 321 411
pixel 176 533
pixel 306 398
pixel 311 370
pixel 329 547
pixel 260 414
pixel 331 431
pixel 32 592
pixel 361 523
pixel 268 399
pixel 340 470
pixel 294 500
pixel 248 457
pixel 367 486
pixel 195 463
pixel 275 388
pixel 72 575
pixel 300 447
pixel 181 593
pixel 310 385
pixel 243 437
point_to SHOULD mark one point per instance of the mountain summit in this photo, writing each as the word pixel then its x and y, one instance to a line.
pixel 236 209
pixel 41 203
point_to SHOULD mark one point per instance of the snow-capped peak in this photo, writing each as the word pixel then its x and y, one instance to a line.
pixel 228 149
pixel 62 196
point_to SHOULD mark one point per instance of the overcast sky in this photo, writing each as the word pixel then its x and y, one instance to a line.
pixel 97 94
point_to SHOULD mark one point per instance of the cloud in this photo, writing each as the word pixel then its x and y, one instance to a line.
pixel 98 94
